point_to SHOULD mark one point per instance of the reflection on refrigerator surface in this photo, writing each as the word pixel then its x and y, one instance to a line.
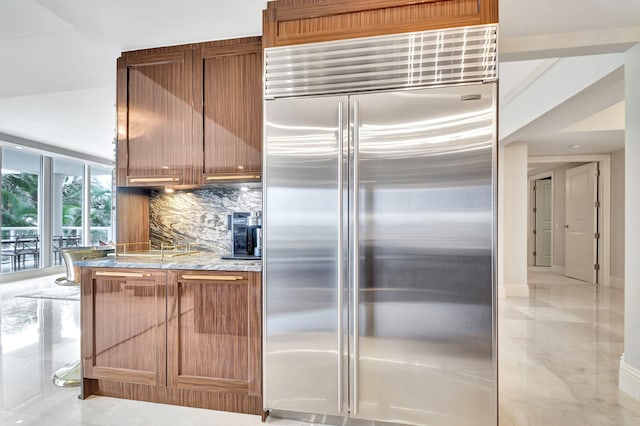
pixel 378 272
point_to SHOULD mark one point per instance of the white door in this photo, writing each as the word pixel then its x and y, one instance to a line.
pixel 581 224
pixel 543 222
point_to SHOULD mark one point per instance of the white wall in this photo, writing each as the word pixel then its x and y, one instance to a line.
pixel 617 218
pixel 629 379
pixel 512 220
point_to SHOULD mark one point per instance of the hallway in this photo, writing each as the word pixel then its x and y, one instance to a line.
pixel 559 355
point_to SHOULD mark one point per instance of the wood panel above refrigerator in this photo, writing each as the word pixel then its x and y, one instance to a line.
pixel 190 114
pixel 287 22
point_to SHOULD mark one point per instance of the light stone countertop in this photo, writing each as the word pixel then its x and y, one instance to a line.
pixel 197 261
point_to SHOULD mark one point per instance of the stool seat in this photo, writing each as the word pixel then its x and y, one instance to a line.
pixel 71 374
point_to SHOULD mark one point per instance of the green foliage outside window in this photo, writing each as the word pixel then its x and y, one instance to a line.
pixel 20 201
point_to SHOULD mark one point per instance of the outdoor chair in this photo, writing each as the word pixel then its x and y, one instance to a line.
pixel 27 245
pixel 10 249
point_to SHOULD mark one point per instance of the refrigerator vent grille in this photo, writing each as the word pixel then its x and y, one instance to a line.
pixel 456 55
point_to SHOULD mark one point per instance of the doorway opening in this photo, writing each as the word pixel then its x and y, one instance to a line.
pixel 569 216
pixel 543 221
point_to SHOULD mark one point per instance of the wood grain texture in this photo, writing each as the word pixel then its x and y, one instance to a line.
pixel 489 11
pixel 188 111
pixel 287 22
pixel 122 156
pixel 188 368
pixel 255 334
pixel 318 8
pixel 212 330
pixel 155 116
pixel 228 106
pixel 127 327
pixel 214 333
pixel 89 387
pixel 225 401
pixel 86 326
pixel 269 27
pixel 132 210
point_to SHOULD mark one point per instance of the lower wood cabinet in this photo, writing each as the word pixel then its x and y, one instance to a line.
pixel 123 325
pixel 179 337
pixel 214 334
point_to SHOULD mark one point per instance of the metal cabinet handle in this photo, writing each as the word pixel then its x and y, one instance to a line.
pixel 356 250
pixel 340 254
pixel 122 274
pixel 154 180
pixel 232 177
pixel 213 277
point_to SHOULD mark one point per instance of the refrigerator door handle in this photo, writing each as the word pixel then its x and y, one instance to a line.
pixel 356 251
pixel 340 281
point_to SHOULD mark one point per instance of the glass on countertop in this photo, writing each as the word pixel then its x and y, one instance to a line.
pixel 144 249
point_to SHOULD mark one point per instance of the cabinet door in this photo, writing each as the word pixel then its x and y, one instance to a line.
pixel 229 109
pixel 155 111
pixel 124 325
pixel 214 334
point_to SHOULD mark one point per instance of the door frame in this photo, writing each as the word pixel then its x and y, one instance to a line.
pixel 604 194
pixel 531 218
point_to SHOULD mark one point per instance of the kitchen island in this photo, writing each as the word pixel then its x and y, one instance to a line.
pixel 185 330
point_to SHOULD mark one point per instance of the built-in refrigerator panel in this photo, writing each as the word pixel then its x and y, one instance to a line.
pixel 379 229
pixel 305 255
pixel 422 214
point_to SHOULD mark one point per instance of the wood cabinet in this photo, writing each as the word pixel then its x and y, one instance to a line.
pixel 155 114
pixel 214 334
pixel 123 325
pixel 287 22
pixel 190 114
pixel 228 109
pixel 179 337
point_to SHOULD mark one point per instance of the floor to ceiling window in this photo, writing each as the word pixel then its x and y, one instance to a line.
pixel 101 205
pixel 68 185
pixel 62 201
pixel 19 224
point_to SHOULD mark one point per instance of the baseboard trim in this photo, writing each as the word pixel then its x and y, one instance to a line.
pixel 557 269
pixel 515 290
pixel 616 282
pixel 629 379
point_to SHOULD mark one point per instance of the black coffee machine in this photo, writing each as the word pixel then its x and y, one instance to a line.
pixel 246 235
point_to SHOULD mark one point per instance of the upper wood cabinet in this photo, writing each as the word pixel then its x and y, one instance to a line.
pixel 287 22
pixel 154 103
pixel 190 114
pixel 228 109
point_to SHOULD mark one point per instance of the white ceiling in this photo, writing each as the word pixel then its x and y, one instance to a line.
pixel 520 18
pixel 57 79
pixel 57 73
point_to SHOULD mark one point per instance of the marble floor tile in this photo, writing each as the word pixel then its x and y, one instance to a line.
pixel 560 365
pixel 559 354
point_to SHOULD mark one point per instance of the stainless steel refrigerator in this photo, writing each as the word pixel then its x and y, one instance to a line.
pixel 379 230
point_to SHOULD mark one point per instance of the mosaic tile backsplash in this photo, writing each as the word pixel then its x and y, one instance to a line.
pixel 199 216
